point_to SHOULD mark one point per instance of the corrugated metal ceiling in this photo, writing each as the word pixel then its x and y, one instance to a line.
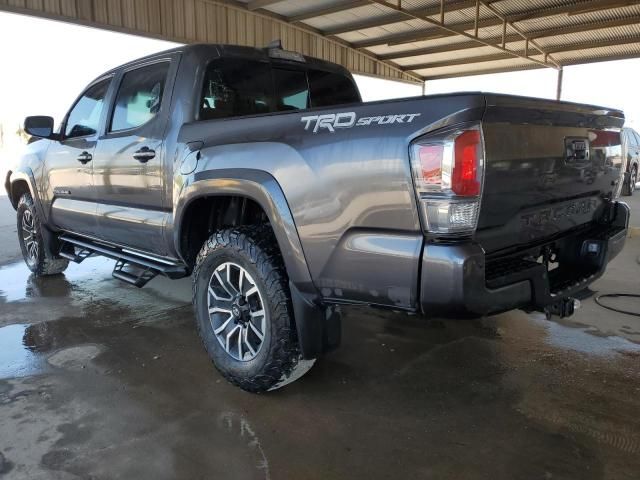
pixel 408 40
pixel 569 31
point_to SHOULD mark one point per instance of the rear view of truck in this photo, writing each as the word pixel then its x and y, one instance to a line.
pixel 519 209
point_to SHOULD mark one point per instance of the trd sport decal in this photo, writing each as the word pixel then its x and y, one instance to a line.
pixel 331 121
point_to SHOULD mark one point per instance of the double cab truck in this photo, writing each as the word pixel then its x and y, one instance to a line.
pixel 262 175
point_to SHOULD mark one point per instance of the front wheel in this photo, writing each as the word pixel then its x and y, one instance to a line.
pixel 32 243
pixel 243 310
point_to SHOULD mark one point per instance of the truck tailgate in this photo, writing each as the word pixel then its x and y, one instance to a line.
pixel 550 166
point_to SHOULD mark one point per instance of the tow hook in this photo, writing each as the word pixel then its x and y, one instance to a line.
pixel 563 308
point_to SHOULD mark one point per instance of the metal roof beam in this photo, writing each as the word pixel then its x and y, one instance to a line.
pixel 451 47
pixel 319 12
pixel 462 33
pixel 552 32
pixel 488 71
pixel 458 61
pixel 256 4
pixel 581 61
pixel 423 34
pixel 585 6
pixel 427 34
pixel 595 44
pixel 608 58
pixel 507 22
pixel 399 17
pixel 503 56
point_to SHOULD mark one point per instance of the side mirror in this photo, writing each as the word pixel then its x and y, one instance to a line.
pixel 39 126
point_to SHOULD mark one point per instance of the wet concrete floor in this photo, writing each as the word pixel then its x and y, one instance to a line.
pixel 101 380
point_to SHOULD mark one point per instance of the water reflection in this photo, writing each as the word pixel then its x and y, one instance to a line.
pixel 51 286
pixel 18 283
pixel 17 355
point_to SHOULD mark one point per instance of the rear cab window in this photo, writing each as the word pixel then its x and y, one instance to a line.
pixel 291 89
pixel 238 87
pixel 329 88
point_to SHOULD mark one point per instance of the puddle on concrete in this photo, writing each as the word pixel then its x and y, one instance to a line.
pixel 25 351
pixel 580 340
pixel 18 283
pixel 17 356
pixel 90 280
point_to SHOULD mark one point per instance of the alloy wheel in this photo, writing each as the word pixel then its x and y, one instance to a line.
pixel 236 311
pixel 29 237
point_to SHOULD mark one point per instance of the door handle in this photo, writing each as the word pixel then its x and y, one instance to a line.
pixel 144 154
pixel 85 157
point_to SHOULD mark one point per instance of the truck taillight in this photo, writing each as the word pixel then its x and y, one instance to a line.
pixel 448 170
pixel 468 150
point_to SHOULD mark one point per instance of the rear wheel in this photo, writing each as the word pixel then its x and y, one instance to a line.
pixel 243 310
pixel 633 179
pixel 32 242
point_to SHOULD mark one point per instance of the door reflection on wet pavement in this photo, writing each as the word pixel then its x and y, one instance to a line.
pixel 100 379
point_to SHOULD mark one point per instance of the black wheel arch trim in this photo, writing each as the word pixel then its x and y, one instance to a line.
pixel 262 188
pixel 23 175
pixel 317 325
pixel 51 243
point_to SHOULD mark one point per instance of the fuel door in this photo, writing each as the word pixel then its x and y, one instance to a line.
pixel 190 161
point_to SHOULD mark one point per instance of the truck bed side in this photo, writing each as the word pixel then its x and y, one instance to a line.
pixel 346 177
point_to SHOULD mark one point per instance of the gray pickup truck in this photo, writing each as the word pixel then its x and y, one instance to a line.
pixel 260 173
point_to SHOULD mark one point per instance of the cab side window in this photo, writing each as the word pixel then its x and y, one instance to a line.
pixel 84 117
pixel 139 97
pixel 234 87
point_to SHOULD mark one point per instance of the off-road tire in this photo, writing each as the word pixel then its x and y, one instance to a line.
pixel 629 187
pixel 279 361
pixel 41 264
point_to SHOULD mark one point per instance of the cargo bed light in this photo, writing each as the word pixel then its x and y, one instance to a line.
pixel 447 170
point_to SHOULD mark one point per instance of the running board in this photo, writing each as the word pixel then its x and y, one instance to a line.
pixel 76 256
pixel 130 267
pixel 135 275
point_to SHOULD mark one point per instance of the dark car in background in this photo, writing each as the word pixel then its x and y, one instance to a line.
pixel 631 149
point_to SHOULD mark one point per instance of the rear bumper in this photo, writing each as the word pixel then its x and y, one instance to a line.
pixel 459 280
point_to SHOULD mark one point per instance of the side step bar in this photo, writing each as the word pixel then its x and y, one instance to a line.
pixel 135 276
pixel 77 256
pixel 131 268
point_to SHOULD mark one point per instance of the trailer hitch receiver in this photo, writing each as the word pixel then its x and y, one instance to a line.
pixel 564 307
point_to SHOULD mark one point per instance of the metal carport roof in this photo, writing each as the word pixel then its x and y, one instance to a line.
pixel 409 40
pixel 439 39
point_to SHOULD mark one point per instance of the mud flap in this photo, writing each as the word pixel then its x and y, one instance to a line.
pixel 319 327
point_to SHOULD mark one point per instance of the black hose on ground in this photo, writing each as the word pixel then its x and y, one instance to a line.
pixel 617 295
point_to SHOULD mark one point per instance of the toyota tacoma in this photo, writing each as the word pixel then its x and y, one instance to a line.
pixel 262 175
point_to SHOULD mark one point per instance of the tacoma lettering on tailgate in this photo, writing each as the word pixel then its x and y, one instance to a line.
pixel 553 214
